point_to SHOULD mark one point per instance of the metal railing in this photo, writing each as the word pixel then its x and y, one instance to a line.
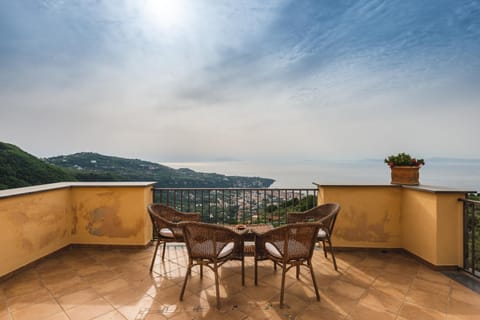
pixel 238 205
pixel 471 236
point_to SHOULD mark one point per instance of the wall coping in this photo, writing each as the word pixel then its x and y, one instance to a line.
pixel 61 185
pixel 424 188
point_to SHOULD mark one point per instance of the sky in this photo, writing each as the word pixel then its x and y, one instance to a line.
pixel 208 80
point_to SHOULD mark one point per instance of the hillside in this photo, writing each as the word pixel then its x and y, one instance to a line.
pixel 21 169
pixel 90 166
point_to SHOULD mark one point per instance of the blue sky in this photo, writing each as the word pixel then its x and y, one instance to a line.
pixel 174 81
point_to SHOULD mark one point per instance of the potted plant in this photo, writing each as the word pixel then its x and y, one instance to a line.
pixel 405 169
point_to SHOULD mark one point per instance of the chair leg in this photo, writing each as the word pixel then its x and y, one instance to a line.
pixel 298 271
pixel 154 255
pixel 201 271
pixel 274 266
pixel 333 254
pixel 217 286
pixel 324 248
pixel 313 279
pixel 284 271
pixel 187 274
pixel 163 252
pixel 243 272
pixel 256 271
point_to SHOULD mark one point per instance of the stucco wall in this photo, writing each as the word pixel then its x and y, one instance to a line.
pixel 110 215
pixel 37 221
pixel 32 226
pixel 424 221
pixel 419 224
pixel 369 215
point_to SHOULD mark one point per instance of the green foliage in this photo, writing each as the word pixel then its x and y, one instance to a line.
pixel 403 159
pixel 474 196
pixel 20 169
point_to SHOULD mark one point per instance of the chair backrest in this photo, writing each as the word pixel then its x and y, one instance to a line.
pixel 325 213
pixel 328 221
pixel 171 214
pixel 293 241
pixel 163 216
pixel 206 241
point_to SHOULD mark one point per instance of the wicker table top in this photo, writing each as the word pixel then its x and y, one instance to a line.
pixel 250 228
pixel 248 234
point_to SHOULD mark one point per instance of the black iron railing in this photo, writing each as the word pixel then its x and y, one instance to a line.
pixel 238 206
pixel 471 235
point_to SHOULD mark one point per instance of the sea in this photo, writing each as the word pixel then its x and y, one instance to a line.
pixel 440 172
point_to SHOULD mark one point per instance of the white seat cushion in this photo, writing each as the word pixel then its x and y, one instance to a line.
pixel 321 234
pixel 272 250
pixel 226 250
pixel 167 233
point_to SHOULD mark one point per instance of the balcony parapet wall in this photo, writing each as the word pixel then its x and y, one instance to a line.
pixel 37 221
pixel 426 221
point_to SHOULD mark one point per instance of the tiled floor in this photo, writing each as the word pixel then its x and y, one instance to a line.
pixel 91 283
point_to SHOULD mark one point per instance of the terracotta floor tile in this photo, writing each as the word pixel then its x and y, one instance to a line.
pixel 77 298
pixel 5 316
pixel 465 295
pixel 90 310
pixel 430 287
pixel 58 316
pixel 337 303
pixel 438 302
pixel 346 289
pixel 68 286
pixel 459 309
pixel 415 312
pixel 113 315
pixel 319 312
pixel 18 302
pixel 37 311
pixel 22 287
pixel 116 284
pixel 386 300
pixel 139 307
pixel 101 276
pixel 111 286
pixel 365 312
pixel 361 277
pixel 432 276
pixel 125 296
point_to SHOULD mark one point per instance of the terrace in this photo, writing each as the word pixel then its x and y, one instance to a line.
pixel 81 251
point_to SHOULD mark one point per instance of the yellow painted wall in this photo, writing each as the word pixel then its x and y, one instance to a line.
pixel 111 215
pixel 32 226
pixel 369 215
pixel 419 223
pixel 450 229
pixel 427 224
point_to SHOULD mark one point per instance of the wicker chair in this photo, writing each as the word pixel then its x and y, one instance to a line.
pixel 211 245
pixel 289 246
pixel 327 215
pixel 166 227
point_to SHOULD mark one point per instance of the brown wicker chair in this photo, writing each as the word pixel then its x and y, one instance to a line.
pixel 327 215
pixel 166 227
pixel 211 245
pixel 289 246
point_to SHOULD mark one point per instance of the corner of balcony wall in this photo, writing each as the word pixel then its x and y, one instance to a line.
pixel 425 220
pixel 37 221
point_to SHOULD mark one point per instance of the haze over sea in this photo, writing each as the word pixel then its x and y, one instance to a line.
pixel 452 173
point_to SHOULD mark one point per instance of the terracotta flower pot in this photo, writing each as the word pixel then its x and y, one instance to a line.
pixel 407 175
